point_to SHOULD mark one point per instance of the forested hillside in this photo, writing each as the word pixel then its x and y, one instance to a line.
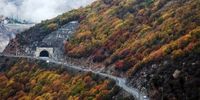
pixel 130 33
pixel 154 43
pixel 28 79
pixel 148 40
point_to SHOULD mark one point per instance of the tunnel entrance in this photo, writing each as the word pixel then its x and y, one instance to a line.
pixel 44 53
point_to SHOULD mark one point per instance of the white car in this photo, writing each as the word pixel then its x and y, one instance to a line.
pixel 145 98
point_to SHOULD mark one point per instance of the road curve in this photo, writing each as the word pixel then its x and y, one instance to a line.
pixel 121 82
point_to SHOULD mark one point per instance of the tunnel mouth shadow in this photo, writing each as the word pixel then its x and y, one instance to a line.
pixel 44 53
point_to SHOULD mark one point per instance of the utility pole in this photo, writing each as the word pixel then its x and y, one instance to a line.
pixel 15 50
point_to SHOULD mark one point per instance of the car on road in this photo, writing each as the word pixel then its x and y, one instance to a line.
pixel 145 98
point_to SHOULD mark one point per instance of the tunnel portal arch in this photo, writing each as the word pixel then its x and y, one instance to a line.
pixel 44 52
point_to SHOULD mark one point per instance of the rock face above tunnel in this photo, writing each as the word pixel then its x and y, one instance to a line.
pixel 56 38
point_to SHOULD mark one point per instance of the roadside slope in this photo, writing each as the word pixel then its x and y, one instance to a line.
pixel 26 78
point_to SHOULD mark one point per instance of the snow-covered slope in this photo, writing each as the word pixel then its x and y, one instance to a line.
pixel 9 30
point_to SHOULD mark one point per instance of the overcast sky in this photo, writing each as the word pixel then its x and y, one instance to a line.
pixel 37 10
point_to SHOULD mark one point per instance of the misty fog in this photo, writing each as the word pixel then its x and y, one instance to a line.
pixel 37 10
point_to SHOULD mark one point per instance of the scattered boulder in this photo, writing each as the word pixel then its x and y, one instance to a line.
pixel 176 73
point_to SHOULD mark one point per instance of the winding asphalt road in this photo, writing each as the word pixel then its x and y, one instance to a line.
pixel 121 82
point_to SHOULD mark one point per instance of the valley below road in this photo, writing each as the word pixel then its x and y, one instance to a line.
pixel 121 82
